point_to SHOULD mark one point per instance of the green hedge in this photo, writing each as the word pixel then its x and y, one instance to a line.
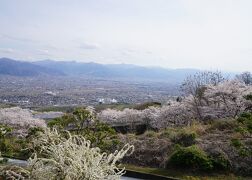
pixel 190 157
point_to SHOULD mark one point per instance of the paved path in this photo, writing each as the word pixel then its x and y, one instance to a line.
pixel 17 162
pixel 128 178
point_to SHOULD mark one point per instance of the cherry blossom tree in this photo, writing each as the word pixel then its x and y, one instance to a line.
pixel 194 86
pixel 208 96
pixel 174 114
pixel 126 116
pixel 228 96
pixel 20 119
pixel 245 77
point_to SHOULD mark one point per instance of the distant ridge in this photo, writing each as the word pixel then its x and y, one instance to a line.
pixel 127 71
pixel 21 68
pixel 72 68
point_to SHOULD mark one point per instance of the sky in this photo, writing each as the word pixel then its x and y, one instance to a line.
pixel 203 34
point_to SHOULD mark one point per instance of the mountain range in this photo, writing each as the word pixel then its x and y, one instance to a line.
pixel 21 68
pixel 72 68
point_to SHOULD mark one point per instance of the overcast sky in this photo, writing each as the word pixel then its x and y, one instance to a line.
pixel 205 34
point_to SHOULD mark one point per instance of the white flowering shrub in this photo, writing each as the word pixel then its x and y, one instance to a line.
pixel 72 158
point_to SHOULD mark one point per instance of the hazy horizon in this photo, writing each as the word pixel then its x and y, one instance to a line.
pixel 206 35
pixel 226 72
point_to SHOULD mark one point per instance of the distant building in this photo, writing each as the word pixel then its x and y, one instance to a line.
pixel 107 101
pixel 50 93
pixel 101 101
pixel 114 101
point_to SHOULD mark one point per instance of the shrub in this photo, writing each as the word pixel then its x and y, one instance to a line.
pixel 102 136
pixel 242 130
pixel 150 133
pixel 196 127
pixel 15 147
pixel 185 138
pixel 223 124
pixel 147 105
pixel 245 119
pixel 61 122
pixel 218 158
pixel 236 143
pixel 4 130
pixel 242 149
pixel 6 146
pixel 248 97
pixel 34 132
pixel 69 157
pixel 220 162
pixel 191 157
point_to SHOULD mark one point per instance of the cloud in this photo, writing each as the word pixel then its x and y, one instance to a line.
pixel 125 53
pixel 14 38
pixel 44 52
pixel 6 50
pixel 148 52
pixel 128 51
pixel 87 45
